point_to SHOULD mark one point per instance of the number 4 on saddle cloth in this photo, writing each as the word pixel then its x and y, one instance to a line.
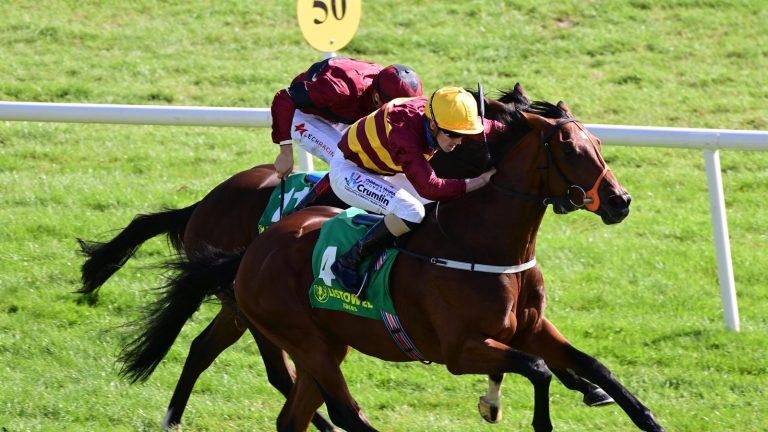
pixel 337 235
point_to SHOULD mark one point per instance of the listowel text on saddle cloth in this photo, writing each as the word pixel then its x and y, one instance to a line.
pixel 336 236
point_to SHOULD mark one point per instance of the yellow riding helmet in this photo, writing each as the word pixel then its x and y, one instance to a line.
pixel 454 109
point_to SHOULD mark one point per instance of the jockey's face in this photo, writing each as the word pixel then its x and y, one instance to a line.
pixel 447 140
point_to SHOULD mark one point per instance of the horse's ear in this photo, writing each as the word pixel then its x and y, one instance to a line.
pixel 565 108
pixel 519 95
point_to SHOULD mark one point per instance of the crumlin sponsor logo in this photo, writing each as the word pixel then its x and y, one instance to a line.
pixel 376 196
pixel 354 179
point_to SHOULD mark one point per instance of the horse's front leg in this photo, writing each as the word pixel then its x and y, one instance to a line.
pixel 594 396
pixel 490 403
pixel 491 357
pixel 560 354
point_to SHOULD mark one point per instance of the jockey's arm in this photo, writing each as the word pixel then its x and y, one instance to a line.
pixel 423 178
pixel 282 116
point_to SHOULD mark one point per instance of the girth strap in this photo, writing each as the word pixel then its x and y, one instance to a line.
pixel 473 267
pixel 401 339
pixel 483 268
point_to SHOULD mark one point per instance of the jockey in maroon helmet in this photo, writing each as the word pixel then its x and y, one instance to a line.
pixel 333 94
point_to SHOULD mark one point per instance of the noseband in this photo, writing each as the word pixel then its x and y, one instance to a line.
pixel 575 197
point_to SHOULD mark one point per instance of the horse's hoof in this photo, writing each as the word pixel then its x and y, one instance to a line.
pixel 489 412
pixel 168 425
pixel 597 397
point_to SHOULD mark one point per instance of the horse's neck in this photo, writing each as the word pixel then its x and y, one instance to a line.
pixel 491 226
pixel 502 226
pixel 485 226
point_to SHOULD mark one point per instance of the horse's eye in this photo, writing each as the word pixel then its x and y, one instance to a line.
pixel 569 150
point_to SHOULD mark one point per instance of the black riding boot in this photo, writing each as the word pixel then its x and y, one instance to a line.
pixel 345 266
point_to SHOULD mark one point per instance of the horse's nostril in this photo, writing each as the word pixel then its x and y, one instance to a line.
pixel 620 201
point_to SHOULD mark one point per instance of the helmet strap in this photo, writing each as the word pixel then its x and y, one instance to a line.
pixel 431 111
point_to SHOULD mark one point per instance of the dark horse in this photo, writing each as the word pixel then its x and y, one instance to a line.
pixel 474 323
pixel 226 219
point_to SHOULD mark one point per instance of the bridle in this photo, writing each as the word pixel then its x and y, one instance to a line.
pixel 576 196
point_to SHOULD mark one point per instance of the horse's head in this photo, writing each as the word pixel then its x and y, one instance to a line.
pixel 574 173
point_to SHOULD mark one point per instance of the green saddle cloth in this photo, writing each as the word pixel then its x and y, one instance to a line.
pixel 297 186
pixel 336 237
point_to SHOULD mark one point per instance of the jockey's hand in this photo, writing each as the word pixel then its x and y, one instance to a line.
pixel 480 181
pixel 284 161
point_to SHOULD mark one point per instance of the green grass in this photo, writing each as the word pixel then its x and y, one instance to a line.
pixel 641 296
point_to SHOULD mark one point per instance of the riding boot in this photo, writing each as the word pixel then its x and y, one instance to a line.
pixel 320 189
pixel 345 266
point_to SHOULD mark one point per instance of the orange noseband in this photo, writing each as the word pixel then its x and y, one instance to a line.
pixel 592 198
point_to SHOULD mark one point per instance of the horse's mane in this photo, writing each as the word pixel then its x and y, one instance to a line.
pixel 546 109
pixel 515 104
pixel 518 102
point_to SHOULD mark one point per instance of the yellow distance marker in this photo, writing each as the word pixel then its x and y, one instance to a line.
pixel 328 25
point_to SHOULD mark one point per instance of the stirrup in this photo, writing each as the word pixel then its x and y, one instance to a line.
pixel 366 280
pixel 363 284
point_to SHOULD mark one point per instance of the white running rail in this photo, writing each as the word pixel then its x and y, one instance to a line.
pixel 711 141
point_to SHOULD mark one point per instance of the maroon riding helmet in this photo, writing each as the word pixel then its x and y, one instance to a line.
pixel 396 81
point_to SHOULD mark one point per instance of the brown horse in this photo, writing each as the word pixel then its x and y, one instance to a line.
pixel 473 322
pixel 226 219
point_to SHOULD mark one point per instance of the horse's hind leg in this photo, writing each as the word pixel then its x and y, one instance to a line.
pixel 281 375
pixel 317 360
pixel 342 407
pixel 220 334
pixel 301 406
pixel 559 354
pixel 593 395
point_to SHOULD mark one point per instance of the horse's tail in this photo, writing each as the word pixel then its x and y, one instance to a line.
pixel 209 273
pixel 104 259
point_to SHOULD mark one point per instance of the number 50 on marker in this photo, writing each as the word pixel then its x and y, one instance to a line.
pixel 328 25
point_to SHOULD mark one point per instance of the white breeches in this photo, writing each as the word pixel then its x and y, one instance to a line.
pixel 376 193
pixel 316 135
